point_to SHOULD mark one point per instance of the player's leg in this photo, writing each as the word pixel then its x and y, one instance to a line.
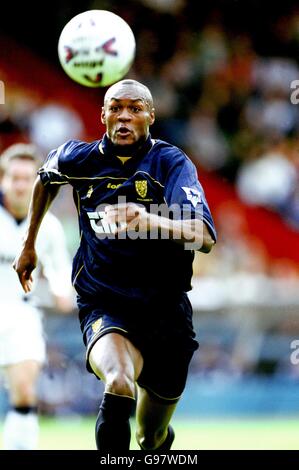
pixel 21 423
pixel 163 377
pixel 116 361
pixel 153 416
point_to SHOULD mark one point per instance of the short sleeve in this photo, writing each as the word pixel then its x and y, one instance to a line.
pixel 50 172
pixel 185 195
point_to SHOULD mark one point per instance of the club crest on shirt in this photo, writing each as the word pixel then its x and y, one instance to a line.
pixel 96 326
pixel 193 195
pixel 141 188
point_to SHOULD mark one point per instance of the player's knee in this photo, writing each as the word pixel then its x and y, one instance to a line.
pixel 120 383
pixel 149 439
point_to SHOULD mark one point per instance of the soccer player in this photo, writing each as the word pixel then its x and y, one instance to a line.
pixel 134 263
pixel 22 344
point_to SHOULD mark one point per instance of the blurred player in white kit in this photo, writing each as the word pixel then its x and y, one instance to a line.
pixel 22 343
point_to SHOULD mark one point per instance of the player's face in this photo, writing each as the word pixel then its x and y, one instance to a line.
pixel 17 182
pixel 127 118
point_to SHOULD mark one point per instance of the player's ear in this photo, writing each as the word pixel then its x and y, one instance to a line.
pixel 103 116
pixel 152 116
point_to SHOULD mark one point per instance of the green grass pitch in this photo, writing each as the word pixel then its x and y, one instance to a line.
pixel 64 433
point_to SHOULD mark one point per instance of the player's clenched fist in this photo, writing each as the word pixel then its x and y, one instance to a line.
pixel 127 216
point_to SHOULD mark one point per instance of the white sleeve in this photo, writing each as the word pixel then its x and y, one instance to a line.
pixel 54 257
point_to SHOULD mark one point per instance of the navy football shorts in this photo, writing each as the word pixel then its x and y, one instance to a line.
pixel 162 331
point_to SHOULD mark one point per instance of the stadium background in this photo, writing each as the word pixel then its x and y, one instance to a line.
pixel 221 75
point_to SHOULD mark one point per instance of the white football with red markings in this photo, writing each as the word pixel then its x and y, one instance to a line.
pixel 96 48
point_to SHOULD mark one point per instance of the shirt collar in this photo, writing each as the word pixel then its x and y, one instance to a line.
pixel 107 148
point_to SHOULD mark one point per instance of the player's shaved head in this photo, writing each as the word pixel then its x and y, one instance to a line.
pixel 130 89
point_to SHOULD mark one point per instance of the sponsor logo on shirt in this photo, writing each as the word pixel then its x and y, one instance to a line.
pixel 100 225
pixel 113 186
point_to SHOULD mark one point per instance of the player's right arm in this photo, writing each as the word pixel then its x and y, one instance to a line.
pixel 25 263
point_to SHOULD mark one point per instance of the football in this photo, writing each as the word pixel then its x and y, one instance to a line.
pixel 96 48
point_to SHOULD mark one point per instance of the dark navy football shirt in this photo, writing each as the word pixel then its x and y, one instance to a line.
pixel 158 175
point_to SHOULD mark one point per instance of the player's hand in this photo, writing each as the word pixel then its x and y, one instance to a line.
pixel 24 264
pixel 127 216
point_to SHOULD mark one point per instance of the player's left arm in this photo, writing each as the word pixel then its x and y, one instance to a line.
pixel 192 222
pixel 190 231
pixel 131 216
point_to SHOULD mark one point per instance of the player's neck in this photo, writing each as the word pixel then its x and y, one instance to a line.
pixel 133 150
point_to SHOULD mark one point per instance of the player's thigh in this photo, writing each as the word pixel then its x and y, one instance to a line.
pixel 114 354
pixel 152 415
